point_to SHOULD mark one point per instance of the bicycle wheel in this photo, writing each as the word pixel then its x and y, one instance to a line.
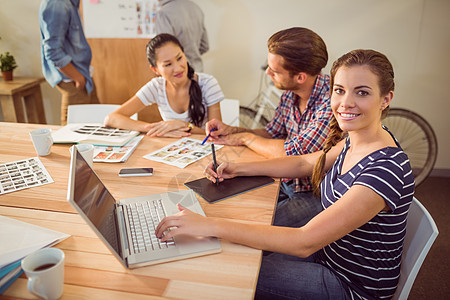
pixel 247 117
pixel 417 139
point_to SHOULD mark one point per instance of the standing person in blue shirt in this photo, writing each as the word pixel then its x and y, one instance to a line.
pixel 65 53
pixel 352 249
pixel 185 20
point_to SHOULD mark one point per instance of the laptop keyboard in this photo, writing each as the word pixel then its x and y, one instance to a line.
pixel 143 218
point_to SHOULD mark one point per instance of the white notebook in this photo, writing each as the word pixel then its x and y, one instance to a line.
pixel 96 134
pixel 18 239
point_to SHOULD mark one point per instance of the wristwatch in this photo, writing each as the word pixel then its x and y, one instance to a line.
pixel 190 126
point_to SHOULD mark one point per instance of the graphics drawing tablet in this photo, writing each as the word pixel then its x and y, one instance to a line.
pixel 212 192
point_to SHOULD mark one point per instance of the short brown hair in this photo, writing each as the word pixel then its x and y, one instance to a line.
pixel 302 50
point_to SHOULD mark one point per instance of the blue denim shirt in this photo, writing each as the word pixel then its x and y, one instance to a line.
pixel 63 41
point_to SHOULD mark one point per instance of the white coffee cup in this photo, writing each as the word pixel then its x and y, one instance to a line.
pixel 45 271
pixel 42 140
pixel 87 151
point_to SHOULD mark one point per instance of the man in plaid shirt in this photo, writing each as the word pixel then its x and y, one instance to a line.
pixel 301 122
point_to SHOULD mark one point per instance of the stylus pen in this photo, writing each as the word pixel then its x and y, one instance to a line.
pixel 214 161
pixel 207 137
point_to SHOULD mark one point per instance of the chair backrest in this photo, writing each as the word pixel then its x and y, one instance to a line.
pixel 421 231
pixel 229 109
pixel 91 113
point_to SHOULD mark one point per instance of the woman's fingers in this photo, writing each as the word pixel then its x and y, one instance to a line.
pixel 218 174
pixel 172 128
pixel 173 225
pixel 165 224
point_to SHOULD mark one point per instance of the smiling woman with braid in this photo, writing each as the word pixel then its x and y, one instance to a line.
pixel 186 100
pixel 352 249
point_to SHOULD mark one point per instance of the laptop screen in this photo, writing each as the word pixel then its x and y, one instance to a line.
pixel 96 202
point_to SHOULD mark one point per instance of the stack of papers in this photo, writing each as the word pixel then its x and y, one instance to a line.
pixel 8 274
pixel 19 239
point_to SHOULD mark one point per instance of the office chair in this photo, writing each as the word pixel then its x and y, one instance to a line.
pixel 421 231
pixel 91 113
pixel 229 109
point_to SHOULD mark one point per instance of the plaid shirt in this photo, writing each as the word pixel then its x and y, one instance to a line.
pixel 307 132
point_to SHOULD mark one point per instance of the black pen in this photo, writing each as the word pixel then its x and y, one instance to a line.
pixel 214 162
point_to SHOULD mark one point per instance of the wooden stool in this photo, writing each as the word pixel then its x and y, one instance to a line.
pixel 28 89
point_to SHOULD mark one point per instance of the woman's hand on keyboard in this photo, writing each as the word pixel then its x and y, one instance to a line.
pixel 184 222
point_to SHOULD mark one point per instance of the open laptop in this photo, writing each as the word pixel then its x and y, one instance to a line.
pixel 127 228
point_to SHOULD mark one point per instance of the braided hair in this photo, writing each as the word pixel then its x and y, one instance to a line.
pixel 196 108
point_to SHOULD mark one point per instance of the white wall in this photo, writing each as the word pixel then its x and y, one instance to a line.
pixel 19 30
pixel 414 34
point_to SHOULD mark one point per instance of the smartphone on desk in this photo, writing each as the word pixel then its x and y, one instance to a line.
pixel 136 172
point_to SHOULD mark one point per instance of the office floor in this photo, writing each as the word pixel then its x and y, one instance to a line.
pixel 433 282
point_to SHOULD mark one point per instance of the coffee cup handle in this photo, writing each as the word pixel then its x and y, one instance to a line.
pixel 32 282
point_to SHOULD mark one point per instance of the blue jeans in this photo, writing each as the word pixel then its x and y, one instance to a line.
pixel 288 277
pixel 295 209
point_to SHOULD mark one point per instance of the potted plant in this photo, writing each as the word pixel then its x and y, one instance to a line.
pixel 7 65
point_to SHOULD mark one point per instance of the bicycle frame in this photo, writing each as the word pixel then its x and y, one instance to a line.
pixel 264 101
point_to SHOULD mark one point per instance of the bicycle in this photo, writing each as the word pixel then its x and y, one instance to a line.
pixel 414 134
pixel 416 137
pixel 262 108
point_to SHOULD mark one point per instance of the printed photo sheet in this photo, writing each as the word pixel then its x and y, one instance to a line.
pixel 22 174
pixel 182 152
pixel 114 154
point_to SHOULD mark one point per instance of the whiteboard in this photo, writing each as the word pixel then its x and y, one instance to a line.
pixel 119 18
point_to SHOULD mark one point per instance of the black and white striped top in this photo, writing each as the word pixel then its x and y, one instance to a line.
pixel 369 258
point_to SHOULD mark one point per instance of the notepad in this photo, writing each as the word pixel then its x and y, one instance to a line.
pixel 212 192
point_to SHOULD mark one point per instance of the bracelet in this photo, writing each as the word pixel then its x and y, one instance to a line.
pixel 190 126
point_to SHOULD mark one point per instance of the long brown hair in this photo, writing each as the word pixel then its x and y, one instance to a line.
pixel 382 68
pixel 196 108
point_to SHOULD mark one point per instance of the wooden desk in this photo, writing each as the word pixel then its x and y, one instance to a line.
pixel 28 89
pixel 91 271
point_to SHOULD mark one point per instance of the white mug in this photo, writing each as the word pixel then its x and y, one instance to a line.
pixel 42 140
pixel 45 271
pixel 87 151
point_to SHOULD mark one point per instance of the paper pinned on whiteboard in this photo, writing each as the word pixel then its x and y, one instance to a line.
pixel 120 18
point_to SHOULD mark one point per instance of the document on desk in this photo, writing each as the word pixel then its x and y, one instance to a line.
pixel 22 174
pixel 182 152
pixel 114 154
pixel 18 239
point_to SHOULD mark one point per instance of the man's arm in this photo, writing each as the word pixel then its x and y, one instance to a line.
pixel 259 140
pixel 204 43
pixel 265 146
pixel 54 24
pixel 70 71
